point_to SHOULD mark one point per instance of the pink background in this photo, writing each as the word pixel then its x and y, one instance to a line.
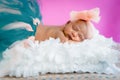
pixel 56 12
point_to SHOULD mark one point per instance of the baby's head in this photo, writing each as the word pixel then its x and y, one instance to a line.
pixel 80 26
pixel 77 30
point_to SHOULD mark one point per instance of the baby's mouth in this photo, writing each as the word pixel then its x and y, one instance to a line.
pixel 76 39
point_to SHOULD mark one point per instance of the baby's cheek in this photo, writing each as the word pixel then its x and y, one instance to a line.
pixel 89 36
pixel 78 38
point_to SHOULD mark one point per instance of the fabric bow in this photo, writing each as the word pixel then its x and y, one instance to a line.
pixel 88 15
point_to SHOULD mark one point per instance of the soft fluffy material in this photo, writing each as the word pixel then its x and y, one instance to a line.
pixel 95 55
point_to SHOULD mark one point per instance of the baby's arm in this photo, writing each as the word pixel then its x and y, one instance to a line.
pixel 62 36
pixel 64 39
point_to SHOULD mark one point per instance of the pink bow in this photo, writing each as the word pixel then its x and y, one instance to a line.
pixel 88 15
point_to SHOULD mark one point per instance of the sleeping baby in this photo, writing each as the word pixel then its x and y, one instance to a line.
pixel 72 31
pixel 29 57
pixel 77 29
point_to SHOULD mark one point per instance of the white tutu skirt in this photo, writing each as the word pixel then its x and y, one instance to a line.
pixel 95 55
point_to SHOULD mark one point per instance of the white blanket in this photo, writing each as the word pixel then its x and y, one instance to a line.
pixel 95 55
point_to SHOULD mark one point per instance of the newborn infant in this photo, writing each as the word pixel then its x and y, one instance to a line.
pixel 72 31
pixel 77 29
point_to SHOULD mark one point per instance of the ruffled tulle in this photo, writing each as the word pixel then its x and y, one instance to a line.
pixel 88 15
pixel 95 55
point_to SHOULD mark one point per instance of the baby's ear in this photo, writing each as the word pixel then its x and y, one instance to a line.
pixel 68 22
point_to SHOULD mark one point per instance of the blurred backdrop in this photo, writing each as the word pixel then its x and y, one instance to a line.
pixel 56 12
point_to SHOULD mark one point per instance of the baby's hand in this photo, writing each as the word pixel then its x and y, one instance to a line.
pixel 71 41
pixel 62 37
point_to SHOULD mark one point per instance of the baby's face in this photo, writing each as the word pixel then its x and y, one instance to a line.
pixel 76 31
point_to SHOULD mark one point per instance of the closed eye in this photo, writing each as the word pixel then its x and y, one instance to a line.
pixel 75 28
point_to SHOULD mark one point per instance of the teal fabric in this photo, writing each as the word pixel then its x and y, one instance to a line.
pixel 16 11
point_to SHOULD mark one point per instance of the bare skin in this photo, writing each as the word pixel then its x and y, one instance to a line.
pixel 75 31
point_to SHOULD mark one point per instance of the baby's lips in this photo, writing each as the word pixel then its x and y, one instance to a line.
pixel 76 38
